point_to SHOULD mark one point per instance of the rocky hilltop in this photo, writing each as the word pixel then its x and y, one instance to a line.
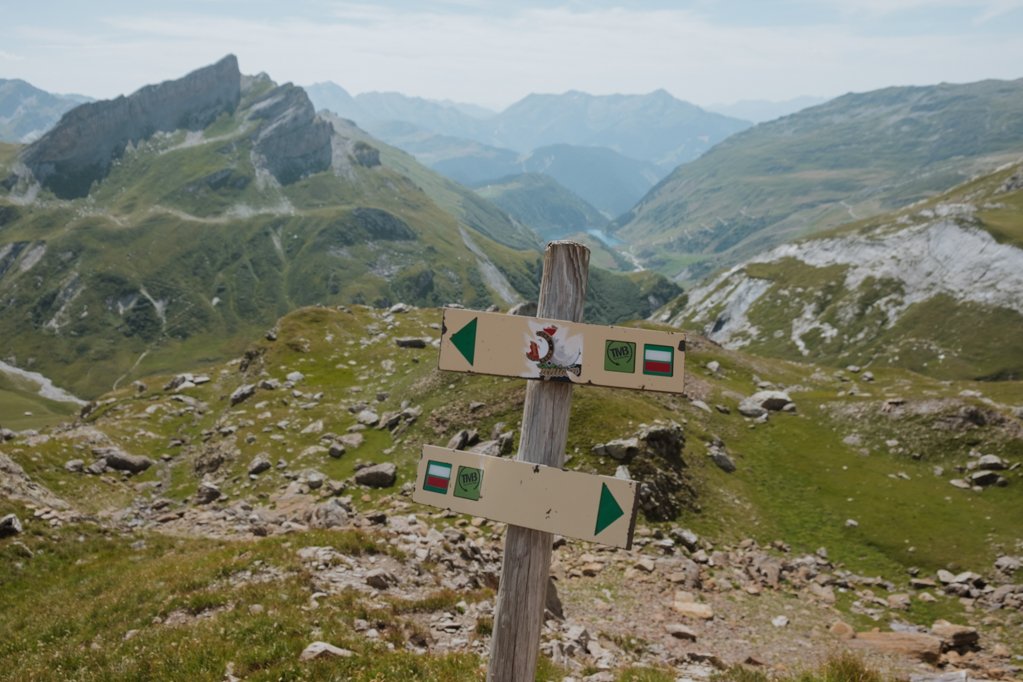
pixel 935 287
pixel 81 147
pixel 293 142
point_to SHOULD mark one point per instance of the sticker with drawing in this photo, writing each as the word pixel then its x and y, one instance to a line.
pixel 553 352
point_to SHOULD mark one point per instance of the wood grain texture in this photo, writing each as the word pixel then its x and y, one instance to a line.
pixel 518 617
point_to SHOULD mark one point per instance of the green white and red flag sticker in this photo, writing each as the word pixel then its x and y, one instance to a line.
pixel 438 476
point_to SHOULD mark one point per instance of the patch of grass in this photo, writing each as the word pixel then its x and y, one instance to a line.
pixel 844 667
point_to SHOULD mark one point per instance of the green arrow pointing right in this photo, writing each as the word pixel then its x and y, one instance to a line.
pixel 465 341
pixel 608 510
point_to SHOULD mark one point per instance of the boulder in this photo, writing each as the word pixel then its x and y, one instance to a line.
pixel 242 393
pixel 959 637
pixel 720 457
pixel 336 450
pixel 984 478
pixel 528 309
pixel 773 401
pixel 679 631
pixel 367 418
pixel 75 466
pixel 294 377
pixel 412 342
pixel 323 650
pixel 10 525
pixel 377 476
pixel 380 579
pixel 622 449
pixel 208 492
pixel 991 463
pixel 259 464
pixel 122 461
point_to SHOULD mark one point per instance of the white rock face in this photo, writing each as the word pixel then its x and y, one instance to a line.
pixel 936 257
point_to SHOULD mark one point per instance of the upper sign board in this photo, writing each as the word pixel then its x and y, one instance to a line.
pixel 570 503
pixel 555 350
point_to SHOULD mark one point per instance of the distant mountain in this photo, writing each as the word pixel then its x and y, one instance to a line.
pixel 26 112
pixel 655 127
pixel 551 210
pixel 609 181
pixel 855 156
pixel 159 231
pixel 373 110
pixel 606 179
pixel 760 110
pixel 936 287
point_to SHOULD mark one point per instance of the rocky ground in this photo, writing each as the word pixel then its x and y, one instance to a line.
pixel 674 600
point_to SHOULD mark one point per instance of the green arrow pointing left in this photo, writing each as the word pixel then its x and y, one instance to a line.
pixel 608 511
pixel 465 341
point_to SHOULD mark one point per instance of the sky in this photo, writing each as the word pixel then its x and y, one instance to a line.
pixel 494 53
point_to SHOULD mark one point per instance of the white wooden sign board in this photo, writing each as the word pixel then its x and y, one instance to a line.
pixel 571 503
pixel 555 350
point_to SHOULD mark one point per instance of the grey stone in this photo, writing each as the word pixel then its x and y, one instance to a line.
pixel 320 650
pixel 122 461
pixel 679 631
pixel 314 479
pixel 75 466
pixel 259 464
pixel 722 459
pixel 294 377
pixel 380 579
pixel 352 440
pixel 10 525
pixel 242 393
pixel 336 450
pixel 491 448
pixel 984 478
pixel 769 400
pixel 208 492
pixel 377 476
pixel 622 449
pixel 412 342
pixel 458 441
pixel 367 417
pixel 991 463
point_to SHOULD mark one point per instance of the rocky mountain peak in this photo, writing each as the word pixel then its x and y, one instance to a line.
pixel 292 141
pixel 81 147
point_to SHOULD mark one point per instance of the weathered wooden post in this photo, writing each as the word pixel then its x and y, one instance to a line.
pixel 532 493
pixel 527 553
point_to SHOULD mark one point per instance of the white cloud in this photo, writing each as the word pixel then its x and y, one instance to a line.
pixel 10 57
pixel 494 58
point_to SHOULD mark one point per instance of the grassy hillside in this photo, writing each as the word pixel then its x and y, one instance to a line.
pixel 246 602
pixel 540 202
pixel 188 248
pixel 934 288
pixel 850 158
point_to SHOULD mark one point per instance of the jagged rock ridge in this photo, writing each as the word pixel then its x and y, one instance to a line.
pixel 81 147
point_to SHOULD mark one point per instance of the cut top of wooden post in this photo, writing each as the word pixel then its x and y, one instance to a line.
pixel 556 350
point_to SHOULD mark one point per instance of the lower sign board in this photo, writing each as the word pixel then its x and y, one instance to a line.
pixel 577 505
pixel 555 350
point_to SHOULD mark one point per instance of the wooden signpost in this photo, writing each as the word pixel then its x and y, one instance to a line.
pixel 532 493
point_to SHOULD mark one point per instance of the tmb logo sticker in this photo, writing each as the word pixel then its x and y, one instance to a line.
pixel 620 356
pixel 468 483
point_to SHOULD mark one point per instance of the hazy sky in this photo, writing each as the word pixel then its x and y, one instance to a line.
pixel 493 53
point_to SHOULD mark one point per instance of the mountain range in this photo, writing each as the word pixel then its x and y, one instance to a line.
pixel 853 157
pixel 163 228
pixel 610 150
pixel 26 112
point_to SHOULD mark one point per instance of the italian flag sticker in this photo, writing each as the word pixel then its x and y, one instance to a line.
pixel 658 360
pixel 438 475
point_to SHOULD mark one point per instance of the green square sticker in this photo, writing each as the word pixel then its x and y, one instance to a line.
pixel 619 356
pixel 468 483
